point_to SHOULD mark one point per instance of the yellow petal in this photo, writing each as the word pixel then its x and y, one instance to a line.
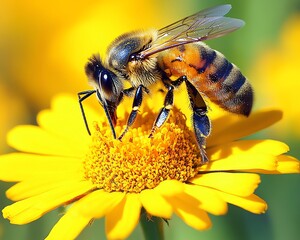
pixel 209 200
pixel 98 203
pixel 36 186
pixel 155 204
pixel 34 139
pixel 247 146
pixel 71 125
pixel 33 208
pixel 65 126
pixel 251 203
pixel 70 225
pixel 170 188
pixel 20 166
pixel 287 164
pixel 241 184
pixel 284 164
pixel 239 126
pixel 188 209
pixel 122 220
pixel 243 162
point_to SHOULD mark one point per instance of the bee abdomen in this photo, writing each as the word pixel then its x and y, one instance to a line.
pixel 222 69
pixel 224 83
pixel 242 102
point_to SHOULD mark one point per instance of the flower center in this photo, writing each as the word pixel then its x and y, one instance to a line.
pixel 139 162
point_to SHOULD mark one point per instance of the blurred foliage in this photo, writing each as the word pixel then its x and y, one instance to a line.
pixel 44 46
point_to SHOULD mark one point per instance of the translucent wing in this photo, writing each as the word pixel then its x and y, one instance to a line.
pixel 206 24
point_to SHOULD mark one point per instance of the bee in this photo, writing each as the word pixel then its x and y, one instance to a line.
pixel 173 55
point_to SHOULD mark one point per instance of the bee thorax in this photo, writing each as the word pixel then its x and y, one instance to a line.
pixel 143 72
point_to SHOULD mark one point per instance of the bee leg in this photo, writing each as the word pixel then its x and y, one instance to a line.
pixel 201 122
pixel 201 125
pixel 168 103
pixel 129 92
pixel 137 101
pixel 109 112
pixel 85 95
pixel 164 112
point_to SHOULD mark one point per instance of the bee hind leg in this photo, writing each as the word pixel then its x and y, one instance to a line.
pixel 201 122
pixel 201 125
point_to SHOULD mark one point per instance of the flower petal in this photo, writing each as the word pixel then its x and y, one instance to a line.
pixel 20 166
pixel 243 162
pixel 98 203
pixel 238 127
pixel 155 204
pixel 251 203
pixel 170 188
pixel 32 208
pixel 54 120
pixel 43 142
pixel 247 146
pixel 121 221
pixel 241 184
pixel 70 225
pixel 36 186
pixel 73 132
pixel 209 200
pixel 188 209
pixel 287 164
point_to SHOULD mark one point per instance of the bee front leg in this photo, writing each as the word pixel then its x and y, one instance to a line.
pixel 81 97
pixel 201 122
pixel 137 101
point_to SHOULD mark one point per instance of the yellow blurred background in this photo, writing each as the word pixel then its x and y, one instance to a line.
pixel 45 44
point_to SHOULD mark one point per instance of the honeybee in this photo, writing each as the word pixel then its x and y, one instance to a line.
pixel 173 55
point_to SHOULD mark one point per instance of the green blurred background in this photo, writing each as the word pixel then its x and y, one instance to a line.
pixel 43 48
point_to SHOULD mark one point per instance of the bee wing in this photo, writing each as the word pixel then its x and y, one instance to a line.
pixel 206 24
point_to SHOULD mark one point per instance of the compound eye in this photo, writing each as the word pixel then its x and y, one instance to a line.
pixel 106 82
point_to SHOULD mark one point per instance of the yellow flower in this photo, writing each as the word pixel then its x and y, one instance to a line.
pixel 98 176
pixel 277 71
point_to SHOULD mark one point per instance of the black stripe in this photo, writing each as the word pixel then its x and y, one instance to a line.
pixel 242 102
pixel 238 82
pixel 247 101
pixel 208 55
pixel 222 72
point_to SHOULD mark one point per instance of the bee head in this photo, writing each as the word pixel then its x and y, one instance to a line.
pixel 108 86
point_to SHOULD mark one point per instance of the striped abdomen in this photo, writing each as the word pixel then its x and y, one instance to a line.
pixel 211 73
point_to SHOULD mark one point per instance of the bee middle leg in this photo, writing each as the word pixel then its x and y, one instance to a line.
pixel 165 111
pixel 201 122
pixel 168 103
